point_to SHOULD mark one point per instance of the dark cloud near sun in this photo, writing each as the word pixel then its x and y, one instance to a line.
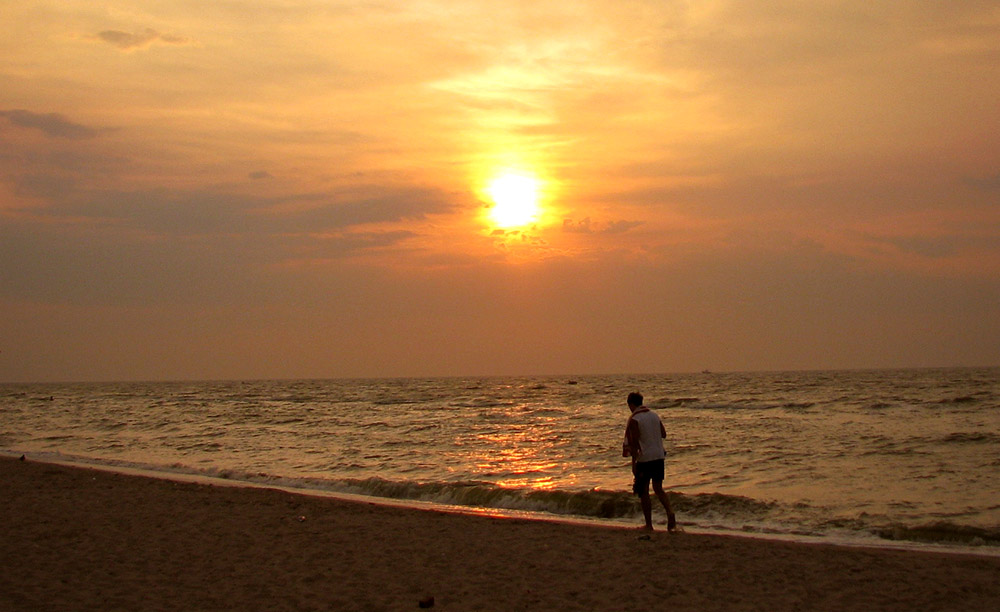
pixel 373 204
pixel 619 227
pixel 345 243
pixel 51 124
pixel 207 212
pixel 97 264
pixel 167 246
pixel 586 226
pixel 140 40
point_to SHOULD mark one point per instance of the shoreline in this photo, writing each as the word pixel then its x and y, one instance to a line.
pixel 504 513
pixel 81 538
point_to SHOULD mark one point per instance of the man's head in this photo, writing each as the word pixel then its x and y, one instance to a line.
pixel 634 399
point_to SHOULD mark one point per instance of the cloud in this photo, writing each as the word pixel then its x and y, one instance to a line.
pixel 365 205
pixel 348 243
pixel 129 42
pixel 619 227
pixel 986 183
pixel 260 174
pixel 925 246
pixel 170 212
pixel 586 226
pixel 111 263
pixel 943 246
pixel 50 124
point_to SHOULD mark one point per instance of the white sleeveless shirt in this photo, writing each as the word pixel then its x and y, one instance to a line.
pixel 650 439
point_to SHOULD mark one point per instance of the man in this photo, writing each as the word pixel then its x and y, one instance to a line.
pixel 644 434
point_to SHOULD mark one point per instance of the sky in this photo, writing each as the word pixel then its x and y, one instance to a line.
pixel 302 188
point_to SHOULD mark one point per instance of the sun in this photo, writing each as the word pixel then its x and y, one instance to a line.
pixel 515 199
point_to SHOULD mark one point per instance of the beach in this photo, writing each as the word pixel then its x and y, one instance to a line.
pixel 82 539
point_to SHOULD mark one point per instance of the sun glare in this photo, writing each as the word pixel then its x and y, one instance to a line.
pixel 515 199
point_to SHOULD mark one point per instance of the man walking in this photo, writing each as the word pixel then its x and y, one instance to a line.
pixel 644 434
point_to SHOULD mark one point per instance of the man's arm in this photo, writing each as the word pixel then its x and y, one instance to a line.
pixel 631 446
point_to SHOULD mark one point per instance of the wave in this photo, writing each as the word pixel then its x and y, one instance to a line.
pixel 708 510
pixel 714 510
pixel 971 438
pixel 736 404
pixel 291 398
pixel 593 503
pixel 942 532
pixel 961 399
pixel 482 402
pixel 877 405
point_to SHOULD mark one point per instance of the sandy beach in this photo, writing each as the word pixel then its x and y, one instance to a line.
pixel 79 539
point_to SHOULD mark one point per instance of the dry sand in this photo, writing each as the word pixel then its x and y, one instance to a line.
pixel 78 539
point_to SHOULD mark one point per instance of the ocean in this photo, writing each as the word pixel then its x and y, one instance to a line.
pixel 874 457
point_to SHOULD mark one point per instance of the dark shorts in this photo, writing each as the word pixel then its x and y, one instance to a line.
pixel 644 472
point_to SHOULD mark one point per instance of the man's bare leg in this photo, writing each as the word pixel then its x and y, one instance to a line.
pixel 662 496
pixel 647 510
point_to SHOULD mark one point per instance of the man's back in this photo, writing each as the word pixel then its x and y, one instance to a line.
pixel 648 435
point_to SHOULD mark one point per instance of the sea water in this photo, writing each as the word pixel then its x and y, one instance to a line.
pixel 872 456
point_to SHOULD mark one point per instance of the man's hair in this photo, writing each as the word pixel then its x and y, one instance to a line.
pixel 634 398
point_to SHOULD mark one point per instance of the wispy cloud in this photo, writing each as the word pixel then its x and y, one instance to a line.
pixel 51 124
pixel 986 183
pixel 586 226
pixel 171 212
pixel 140 40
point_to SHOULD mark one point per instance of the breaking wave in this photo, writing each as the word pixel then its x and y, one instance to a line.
pixel 942 532
pixel 714 511
pixel 711 509
pixel 595 503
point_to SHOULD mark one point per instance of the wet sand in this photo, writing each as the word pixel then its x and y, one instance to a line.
pixel 79 539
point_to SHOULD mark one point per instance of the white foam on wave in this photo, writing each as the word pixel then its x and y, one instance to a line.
pixel 327 489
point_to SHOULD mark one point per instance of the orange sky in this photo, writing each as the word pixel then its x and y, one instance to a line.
pixel 298 188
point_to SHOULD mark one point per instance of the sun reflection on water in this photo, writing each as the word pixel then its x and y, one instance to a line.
pixel 525 457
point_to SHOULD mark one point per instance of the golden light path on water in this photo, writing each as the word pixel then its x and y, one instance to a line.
pixel 527 455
